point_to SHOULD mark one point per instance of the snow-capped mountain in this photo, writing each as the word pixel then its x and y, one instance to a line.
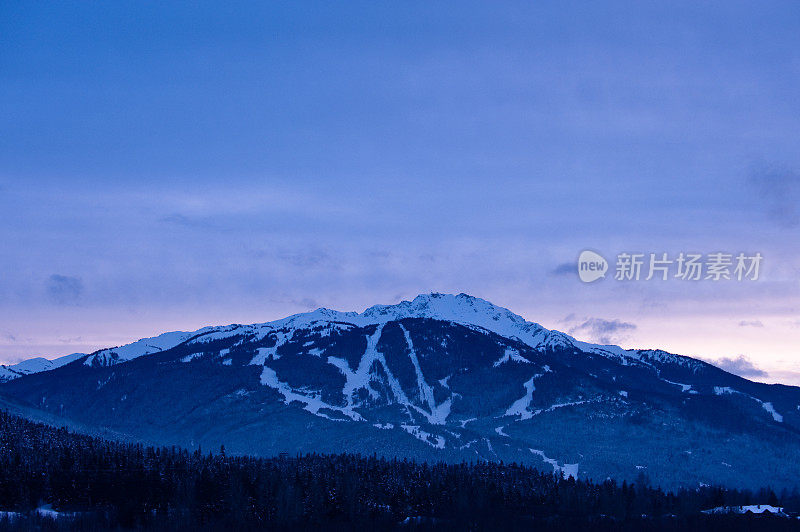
pixel 35 365
pixel 462 309
pixel 441 377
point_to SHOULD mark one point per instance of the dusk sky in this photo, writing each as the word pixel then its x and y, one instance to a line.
pixel 168 166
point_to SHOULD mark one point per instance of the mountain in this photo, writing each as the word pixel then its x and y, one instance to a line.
pixel 35 365
pixel 441 377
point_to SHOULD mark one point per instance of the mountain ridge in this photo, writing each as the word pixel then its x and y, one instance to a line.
pixel 441 377
pixel 461 308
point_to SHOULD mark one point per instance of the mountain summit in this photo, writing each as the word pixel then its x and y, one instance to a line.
pixel 462 309
pixel 441 377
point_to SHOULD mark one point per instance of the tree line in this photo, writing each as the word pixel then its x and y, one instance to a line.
pixel 100 484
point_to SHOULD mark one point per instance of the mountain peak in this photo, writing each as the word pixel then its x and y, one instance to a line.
pixel 462 309
pixel 35 365
pixel 442 376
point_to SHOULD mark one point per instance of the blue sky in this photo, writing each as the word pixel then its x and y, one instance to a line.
pixel 172 165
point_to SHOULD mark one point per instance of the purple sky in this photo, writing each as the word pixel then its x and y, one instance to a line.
pixel 166 167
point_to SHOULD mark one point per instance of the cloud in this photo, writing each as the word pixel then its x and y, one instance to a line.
pixel 740 365
pixel 306 302
pixel 304 259
pixel 570 318
pixel 604 331
pixel 177 219
pixel 779 190
pixel 190 222
pixel 64 290
pixel 566 268
pixel 752 323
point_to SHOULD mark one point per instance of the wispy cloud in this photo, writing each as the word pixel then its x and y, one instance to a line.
pixel 740 365
pixel 602 330
pixel 306 258
pixel 306 302
pixel 751 323
pixel 779 190
pixel 64 290
pixel 565 268
pixel 179 219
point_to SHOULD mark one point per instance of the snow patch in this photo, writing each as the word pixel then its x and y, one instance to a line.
pixel 521 407
pixel 193 356
pixel 720 390
pixel 438 413
pixel 271 353
pixel 312 400
pixel 432 440
pixel 511 355
pixel 359 378
pixel 684 387
pixel 769 408
pixel 569 403
pixel 464 422
pixel 754 508
pixel 568 470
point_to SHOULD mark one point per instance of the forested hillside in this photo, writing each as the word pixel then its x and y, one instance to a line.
pixel 97 484
pixel 442 378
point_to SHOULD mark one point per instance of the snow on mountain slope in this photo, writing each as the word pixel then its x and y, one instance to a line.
pixel 35 365
pixel 441 376
pixel 462 309
pixel 145 346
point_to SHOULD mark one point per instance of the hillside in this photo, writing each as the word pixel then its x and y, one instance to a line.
pixel 440 378
pixel 49 474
